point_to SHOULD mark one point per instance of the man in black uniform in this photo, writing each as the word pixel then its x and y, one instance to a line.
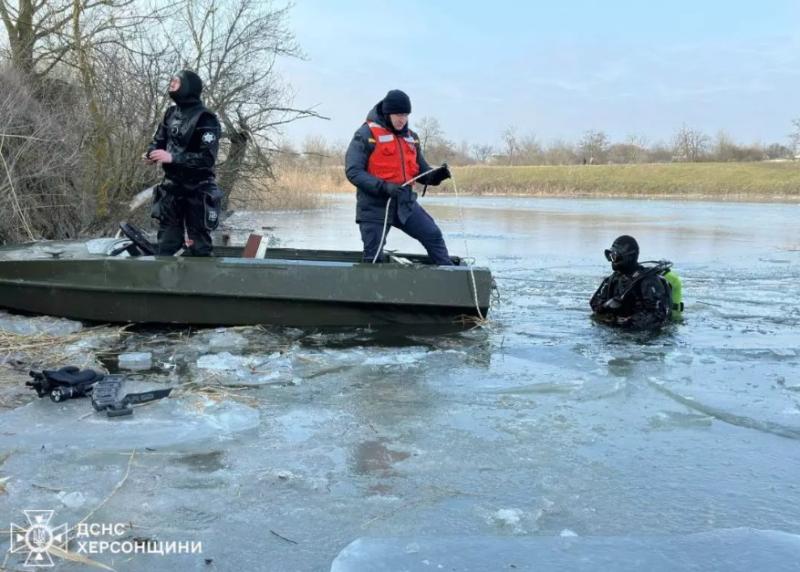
pixel 633 296
pixel 186 145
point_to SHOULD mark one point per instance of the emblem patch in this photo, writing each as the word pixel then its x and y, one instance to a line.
pixel 208 137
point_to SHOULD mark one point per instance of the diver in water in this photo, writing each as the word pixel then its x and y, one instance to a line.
pixel 634 296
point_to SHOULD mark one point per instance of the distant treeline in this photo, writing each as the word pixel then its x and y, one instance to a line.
pixel 594 148
pixel 735 181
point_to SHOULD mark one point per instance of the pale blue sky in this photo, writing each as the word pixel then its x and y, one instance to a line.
pixel 553 69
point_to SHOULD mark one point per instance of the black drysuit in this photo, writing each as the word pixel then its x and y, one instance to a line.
pixel 648 305
pixel 188 197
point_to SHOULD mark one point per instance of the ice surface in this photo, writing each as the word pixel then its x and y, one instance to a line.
pixel 732 550
pixel 540 427
pixel 226 340
pixel 107 245
pixel 225 361
pixel 135 360
pixel 44 250
pixel 29 326
pixel 75 499
pixel 43 424
pixel 228 369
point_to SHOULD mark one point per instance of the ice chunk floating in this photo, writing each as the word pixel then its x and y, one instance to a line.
pixel 731 550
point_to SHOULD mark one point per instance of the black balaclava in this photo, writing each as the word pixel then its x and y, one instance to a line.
pixel 625 250
pixel 188 94
pixel 396 101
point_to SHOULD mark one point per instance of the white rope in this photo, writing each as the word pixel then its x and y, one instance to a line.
pixel 463 234
pixel 386 215
pixel 466 249
pixel 383 232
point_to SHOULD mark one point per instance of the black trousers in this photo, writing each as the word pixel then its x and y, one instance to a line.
pixel 419 225
pixel 177 212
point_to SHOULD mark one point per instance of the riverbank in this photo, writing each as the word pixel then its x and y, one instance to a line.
pixel 763 181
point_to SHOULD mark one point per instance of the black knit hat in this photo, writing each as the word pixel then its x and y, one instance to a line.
pixel 396 101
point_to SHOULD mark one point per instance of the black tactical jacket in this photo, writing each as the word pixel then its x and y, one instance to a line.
pixel 192 137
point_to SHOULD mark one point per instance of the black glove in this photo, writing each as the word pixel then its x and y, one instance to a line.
pixel 392 189
pixel 612 304
pixel 439 175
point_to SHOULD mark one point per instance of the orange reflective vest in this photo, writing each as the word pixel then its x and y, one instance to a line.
pixel 394 158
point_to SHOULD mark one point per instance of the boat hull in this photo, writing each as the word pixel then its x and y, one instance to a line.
pixel 240 291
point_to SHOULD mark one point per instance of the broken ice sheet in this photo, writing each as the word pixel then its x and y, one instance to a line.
pixel 220 340
pixel 228 369
pixel 29 326
pixel 734 550
pixel 164 423
pixel 135 360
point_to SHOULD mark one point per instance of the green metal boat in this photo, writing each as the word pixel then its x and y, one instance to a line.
pixel 287 287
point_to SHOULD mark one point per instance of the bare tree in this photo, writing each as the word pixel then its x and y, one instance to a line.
pixel 511 142
pixel 234 45
pixel 45 33
pixel 778 151
pixel 482 152
pixel 689 144
pixel 660 152
pixel 40 157
pixel 430 132
pixel 637 147
pixel 27 24
pixel 436 147
pixel 315 150
pixel 794 137
pixel 726 149
pixel 530 151
pixel 560 152
pixel 594 146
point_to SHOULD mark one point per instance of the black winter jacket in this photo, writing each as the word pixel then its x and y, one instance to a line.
pixel 371 196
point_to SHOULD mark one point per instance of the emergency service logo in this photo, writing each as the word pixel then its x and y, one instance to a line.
pixel 38 538
pixel 40 541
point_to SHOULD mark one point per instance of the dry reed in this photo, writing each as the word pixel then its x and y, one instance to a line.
pixel 752 181
pixel 295 188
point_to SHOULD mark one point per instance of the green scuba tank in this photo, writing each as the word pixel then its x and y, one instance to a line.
pixel 676 292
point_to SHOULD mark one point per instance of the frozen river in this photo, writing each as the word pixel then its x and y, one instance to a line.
pixel 540 424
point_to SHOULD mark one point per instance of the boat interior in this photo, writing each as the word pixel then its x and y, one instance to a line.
pixel 257 247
